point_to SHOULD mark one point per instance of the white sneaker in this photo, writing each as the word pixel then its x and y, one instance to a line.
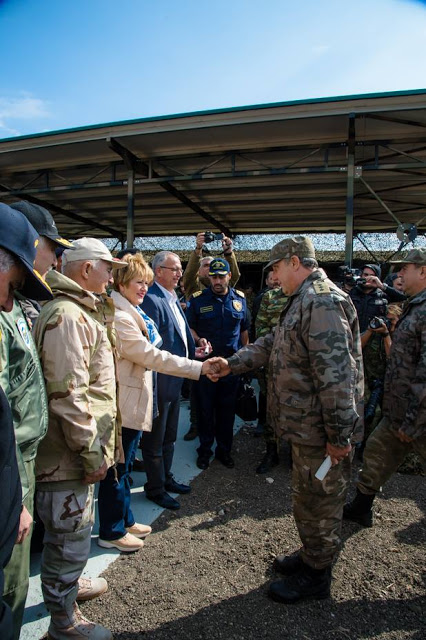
pixel 126 544
pixel 139 530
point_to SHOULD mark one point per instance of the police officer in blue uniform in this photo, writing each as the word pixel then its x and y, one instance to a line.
pixel 218 315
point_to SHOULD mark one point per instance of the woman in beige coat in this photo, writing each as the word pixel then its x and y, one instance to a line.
pixel 138 354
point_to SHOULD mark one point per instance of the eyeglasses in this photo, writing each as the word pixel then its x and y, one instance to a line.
pixel 174 269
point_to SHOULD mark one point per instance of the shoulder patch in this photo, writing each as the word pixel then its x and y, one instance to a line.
pixel 321 287
pixel 240 293
pixel 196 294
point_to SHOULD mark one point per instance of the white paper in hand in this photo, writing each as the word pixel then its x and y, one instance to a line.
pixel 323 469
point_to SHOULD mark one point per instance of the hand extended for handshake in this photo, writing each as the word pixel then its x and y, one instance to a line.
pixel 215 368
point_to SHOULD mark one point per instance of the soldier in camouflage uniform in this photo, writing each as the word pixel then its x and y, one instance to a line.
pixel 271 306
pixel 403 427
pixel 82 439
pixel 315 402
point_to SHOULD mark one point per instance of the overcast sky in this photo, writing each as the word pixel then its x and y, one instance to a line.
pixel 68 64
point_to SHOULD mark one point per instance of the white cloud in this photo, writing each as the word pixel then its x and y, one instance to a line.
pixel 21 107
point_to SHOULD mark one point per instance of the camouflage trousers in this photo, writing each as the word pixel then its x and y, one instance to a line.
pixel 383 454
pixel 318 506
pixel 68 519
pixel 17 571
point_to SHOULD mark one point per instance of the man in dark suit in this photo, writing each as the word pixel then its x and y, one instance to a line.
pixel 161 304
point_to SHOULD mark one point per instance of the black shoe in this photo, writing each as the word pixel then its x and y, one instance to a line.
pixel 270 459
pixel 203 462
pixel 288 565
pixel 226 460
pixel 164 500
pixel 360 509
pixel 192 433
pixel 307 583
pixel 138 465
pixel 176 487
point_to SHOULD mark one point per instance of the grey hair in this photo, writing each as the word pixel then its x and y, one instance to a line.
pixel 7 261
pixel 205 260
pixel 71 266
pixel 309 263
pixel 160 258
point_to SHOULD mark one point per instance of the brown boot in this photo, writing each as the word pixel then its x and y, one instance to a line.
pixel 72 624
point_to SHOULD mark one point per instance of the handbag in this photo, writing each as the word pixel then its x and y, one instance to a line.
pixel 246 404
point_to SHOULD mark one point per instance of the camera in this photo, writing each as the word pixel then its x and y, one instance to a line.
pixel 351 276
pixel 209 236
pixel 379 321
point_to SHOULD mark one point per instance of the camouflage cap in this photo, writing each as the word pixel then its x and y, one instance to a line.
pixel 299 246
pixel 415 256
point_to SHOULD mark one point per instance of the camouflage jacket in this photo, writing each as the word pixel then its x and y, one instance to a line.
pixel 21 377
pixel 315 366
pixel 78 365
pixel 267 318
pixel 192 281
pixel 405 381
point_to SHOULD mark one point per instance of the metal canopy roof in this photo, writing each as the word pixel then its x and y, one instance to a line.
pixel 282 167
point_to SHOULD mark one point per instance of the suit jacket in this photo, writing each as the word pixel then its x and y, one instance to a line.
pixel 157 308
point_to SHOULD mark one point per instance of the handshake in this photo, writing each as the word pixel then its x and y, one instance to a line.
pixel 215 368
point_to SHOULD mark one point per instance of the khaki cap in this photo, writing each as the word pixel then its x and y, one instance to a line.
pixel 299 246
pixel 415 256
pixel 90 249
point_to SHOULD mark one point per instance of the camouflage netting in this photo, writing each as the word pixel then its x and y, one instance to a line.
pixel 330 247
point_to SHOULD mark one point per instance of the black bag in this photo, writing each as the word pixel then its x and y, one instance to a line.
pixel 246 405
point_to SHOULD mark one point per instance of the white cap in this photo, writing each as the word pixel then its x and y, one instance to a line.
pixel 90 249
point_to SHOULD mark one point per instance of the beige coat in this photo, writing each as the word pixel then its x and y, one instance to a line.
pixel 136 358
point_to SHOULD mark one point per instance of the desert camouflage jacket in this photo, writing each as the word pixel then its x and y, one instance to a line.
pixel 315 366
pixel 192 281
pixel 272 304
pixel 405 381
pixel 78 365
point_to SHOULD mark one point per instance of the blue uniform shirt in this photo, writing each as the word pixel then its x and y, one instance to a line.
pixel 219 319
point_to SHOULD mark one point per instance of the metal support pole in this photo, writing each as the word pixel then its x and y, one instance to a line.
pixel 350 193
pixel 130 208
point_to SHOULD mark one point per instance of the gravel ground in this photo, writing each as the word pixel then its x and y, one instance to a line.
pixel 204 571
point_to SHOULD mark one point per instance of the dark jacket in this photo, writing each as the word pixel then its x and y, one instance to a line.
pixel 157 308
pixel 368 305
pixel 10 504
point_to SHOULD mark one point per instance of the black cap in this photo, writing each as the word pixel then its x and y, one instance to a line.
pixel 21 239
pixel 374 267
pixel 42 221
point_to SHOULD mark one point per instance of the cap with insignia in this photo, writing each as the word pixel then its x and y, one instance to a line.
pixel 219 267
pixel 42 222
pixel 299 246
pixel 415 256
pixel 19 237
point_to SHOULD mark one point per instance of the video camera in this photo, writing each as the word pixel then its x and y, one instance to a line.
pixel 351 276
pixel 209 236
pixel 379 321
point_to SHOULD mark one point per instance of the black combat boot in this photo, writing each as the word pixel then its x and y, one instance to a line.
pixel 360 509
pixel 288 565
pixel 270 458
pixel 307 583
